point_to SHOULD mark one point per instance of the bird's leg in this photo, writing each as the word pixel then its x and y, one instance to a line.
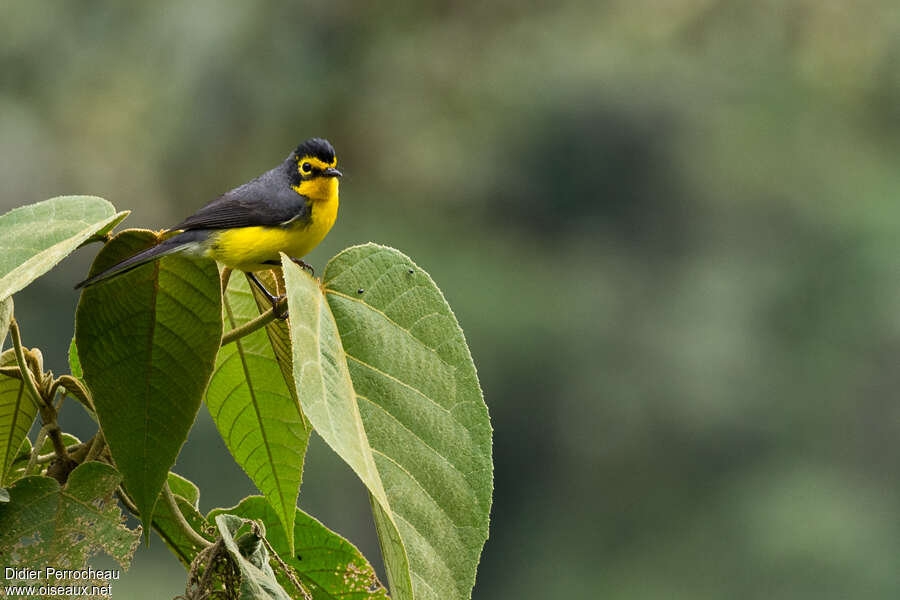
pixel 269 296
pixel 304 265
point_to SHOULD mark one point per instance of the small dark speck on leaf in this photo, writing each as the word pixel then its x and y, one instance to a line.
pixel 360 291
pixel 299 557
pixel 411 271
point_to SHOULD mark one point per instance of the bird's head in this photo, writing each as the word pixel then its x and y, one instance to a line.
pixel 313 172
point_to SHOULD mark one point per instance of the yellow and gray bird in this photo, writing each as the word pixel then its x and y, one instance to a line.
pixel 289 209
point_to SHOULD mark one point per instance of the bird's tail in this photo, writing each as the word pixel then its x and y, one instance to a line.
pixel 185 241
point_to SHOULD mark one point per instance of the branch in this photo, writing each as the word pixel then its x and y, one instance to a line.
pixel 186 528
pixel 59 446
pixel 257 323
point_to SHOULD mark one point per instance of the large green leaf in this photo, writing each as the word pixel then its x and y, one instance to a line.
pixel 46 525
pixel 6 313
pixel 423 412
pixel 147 343
pixel 17 413
pixel 329 566
pixel 34 238
pixel 255 410
pixel 326 394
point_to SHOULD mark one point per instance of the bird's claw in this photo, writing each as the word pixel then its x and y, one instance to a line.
pixel 284 313
pixel 305 265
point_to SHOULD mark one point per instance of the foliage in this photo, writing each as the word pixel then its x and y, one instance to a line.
pixel 371 358
pixel 63 526
pixel 150 337
pixel 255 408
pixel 36 237
pixel 688 347
pixel 17 412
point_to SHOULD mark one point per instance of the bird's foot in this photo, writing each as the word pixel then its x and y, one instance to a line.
pixel 284 313
pixel 305 265
pixel 273 299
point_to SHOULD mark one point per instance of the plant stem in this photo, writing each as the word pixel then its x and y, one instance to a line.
pixel 96 447
pixel 251 326
pixel 59 446
pixel 120 492
pixel 186 528
pixel 27 376
pixel 35 458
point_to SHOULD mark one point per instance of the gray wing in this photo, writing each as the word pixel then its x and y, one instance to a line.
pixel 267 200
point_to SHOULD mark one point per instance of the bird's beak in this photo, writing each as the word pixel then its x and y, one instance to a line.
pixel 331 172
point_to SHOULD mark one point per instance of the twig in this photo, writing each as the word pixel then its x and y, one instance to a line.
pixel 27 376
pixel 186 528
pixel 96 447
pixel 35 457
pixel 224 276
pixel 129 504
pixel 45 458
pixel 251 326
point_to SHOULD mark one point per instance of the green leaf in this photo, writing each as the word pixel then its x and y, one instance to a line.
pixel 328 565
pixel 185 488
pixel 249 554
pixel 326 394
pixel 78 373
pixel 147 341
pixel 278 331
pixel 186 497
pixel 68 440
pixel 74 362
pixel 17 413
pixel 424 415
pixel 6 313
pixel 104 234
pixel 34 238
pixel 24 452
pixel 20 462
pixel 253 407
pixel 43 524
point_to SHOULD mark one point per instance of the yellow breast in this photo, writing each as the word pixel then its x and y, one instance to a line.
pixel 250 248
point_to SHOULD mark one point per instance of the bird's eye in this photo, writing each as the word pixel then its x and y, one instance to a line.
pixel 306 167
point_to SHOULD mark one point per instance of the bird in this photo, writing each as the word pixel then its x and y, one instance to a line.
pixel 289 209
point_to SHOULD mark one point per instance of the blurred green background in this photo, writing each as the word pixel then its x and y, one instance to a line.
pixel 668 229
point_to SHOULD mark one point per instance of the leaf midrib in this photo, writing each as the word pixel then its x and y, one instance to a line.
pixel 149 371
pixel 12 430
pixel 250 388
